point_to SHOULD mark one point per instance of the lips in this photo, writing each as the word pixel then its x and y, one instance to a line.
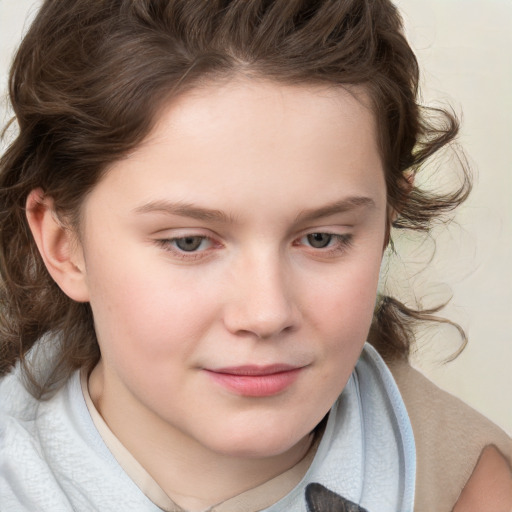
pixel 256 381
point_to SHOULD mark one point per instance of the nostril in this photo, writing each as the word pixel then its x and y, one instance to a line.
pixel 262 323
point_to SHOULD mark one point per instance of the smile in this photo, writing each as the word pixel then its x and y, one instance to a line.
pixel 256 381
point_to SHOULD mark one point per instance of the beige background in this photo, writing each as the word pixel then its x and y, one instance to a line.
pixel 464 48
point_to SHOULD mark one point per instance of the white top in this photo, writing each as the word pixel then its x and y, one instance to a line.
pixel 53 458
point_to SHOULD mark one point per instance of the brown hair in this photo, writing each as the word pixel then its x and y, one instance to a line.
pixel 86 85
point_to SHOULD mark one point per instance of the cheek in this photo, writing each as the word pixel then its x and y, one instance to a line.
pixel 342 316
pixel 144 310
pixel 347 300
pixel 339 319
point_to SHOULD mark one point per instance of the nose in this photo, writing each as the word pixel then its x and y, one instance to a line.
pixel 262 303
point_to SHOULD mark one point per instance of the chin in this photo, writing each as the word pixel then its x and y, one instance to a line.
pixel 259 442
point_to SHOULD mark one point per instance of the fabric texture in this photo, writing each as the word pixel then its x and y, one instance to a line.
pixel 52 457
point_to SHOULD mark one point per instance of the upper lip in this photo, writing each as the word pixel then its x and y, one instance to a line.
pixel 255 370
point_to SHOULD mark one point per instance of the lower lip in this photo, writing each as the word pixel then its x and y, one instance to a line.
pixel 256 385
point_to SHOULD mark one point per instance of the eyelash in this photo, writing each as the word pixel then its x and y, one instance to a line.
pixel 168 244
pixel 341 244
pixel 337 243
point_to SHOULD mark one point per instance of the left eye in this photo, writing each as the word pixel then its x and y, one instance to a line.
pixel 319 240
pixel 190 243
pixel 332 241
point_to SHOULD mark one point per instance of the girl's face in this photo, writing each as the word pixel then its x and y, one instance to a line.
pixel 231 262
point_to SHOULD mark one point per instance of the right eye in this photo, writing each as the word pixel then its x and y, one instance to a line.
pixel 189 247
pixel 191 243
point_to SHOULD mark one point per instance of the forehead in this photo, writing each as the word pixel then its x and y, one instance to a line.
pixel 250 142
pixel 256 111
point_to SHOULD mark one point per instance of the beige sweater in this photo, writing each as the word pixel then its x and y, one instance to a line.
pixel 449 436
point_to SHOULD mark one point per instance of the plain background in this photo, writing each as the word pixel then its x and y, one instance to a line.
pixel 464 49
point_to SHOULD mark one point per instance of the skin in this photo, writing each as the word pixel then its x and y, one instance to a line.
pixel 489 487
pixel 249 170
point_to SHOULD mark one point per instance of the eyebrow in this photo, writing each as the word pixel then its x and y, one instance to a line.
pixel 185 210
pixel 345 205
pixel 206 214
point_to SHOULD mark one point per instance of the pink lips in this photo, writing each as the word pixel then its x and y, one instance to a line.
pixel 256 381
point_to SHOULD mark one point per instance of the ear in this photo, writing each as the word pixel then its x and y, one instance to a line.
pixel 58 245
pixel 391 216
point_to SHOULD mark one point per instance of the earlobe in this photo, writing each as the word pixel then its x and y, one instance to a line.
pixel 57 244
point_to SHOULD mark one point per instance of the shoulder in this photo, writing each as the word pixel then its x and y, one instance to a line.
pixel 39 443
pixel 53 458
pixel 19 434
pixel 15 400
pixel 450 440
pixel 21 453
pixel 490 485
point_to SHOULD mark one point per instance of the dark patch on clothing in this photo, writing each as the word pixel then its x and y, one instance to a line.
pixel 321 499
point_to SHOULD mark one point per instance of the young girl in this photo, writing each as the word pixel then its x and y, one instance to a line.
pixel 193 218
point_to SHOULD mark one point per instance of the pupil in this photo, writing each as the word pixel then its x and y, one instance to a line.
pixel 189 243
pixel 319 240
